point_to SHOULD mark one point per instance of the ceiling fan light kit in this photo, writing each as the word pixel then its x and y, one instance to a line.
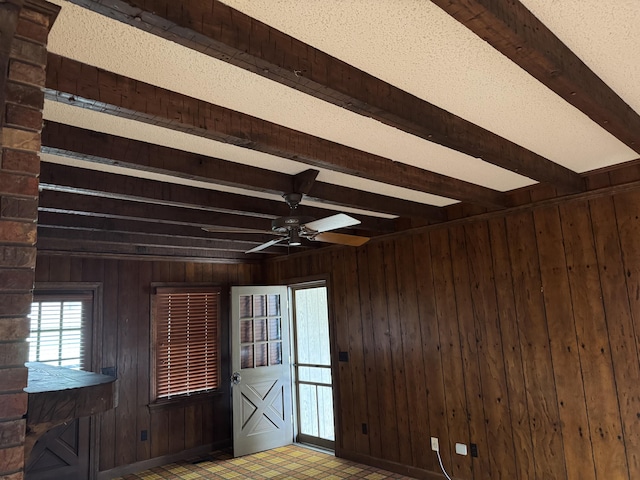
pixel 294 239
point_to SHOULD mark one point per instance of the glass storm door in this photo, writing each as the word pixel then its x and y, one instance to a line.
pixel 261 379
pixel 314 393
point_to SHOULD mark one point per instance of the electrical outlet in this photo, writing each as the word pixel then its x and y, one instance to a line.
pixel 461 449
pixel 435 446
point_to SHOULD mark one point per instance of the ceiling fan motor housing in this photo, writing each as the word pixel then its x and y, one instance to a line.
pixel 285 224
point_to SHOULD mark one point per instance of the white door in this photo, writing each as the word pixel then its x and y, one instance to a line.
pixel 261 369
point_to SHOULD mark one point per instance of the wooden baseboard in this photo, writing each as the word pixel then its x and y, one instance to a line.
pixel 390 466
pixel 163 460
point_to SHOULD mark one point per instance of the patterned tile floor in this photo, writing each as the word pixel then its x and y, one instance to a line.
pixel 290 462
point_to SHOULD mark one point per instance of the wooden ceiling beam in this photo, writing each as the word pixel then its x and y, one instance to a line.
pixel 514 31
pixel 103 184
pixel 303 182
pixel 347 196
pixel 80 144
pixel 222 32
pixel 94 206
pixel 71 221
pixel 71 247
pixel 85 86
pixel 73 179
pixel 74 203
pixel 141 239
pixel 97 147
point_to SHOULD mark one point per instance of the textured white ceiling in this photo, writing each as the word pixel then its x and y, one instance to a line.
pixel 416 46
pixel 94 39
pixel 409 43
pixel 604 34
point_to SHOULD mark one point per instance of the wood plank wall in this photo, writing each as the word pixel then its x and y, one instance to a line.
pixel 124 343
pixel 520 334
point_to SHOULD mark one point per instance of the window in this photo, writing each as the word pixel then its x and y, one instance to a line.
pixel 260 331
pixel 186 340
pixel 59 326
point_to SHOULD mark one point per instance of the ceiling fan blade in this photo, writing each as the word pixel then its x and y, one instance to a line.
pixel 236 230
pixel 332 223
pixel 341 239
pixel 265 245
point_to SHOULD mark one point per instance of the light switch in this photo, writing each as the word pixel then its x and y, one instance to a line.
pixel 461 449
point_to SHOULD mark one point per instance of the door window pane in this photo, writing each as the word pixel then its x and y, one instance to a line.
pixel 274 305
pixel 275 329
pixel 308 410
pixel 325 413
pixel 245 306
pixel 261 355
pixel 259 306
pixel 275 353
pixel 246 356
pixel 312 326
pixel 261 330
pixel 246 331
pixel 260 326
pixel 313 372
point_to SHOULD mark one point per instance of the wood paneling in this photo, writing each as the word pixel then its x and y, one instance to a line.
pixel 384 371
pixel 512 353
pixel 518 333
pixel 414 370
pixel 345 404
pixel 489 350
pixel 430 346
pixel 125 342
pixel 617 305
pixel 564 346
pixel 370 360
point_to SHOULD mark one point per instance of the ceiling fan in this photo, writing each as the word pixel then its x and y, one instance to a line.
pixel 293 228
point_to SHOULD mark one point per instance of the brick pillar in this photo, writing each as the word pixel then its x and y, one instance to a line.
pixel 24 28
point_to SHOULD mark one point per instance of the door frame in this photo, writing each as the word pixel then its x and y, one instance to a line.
pixel 301 281
pixel 321 443
pixel 333 346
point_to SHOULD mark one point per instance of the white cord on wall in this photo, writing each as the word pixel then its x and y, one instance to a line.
pixel 442 466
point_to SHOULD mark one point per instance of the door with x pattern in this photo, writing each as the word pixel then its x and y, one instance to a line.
pixel 262 415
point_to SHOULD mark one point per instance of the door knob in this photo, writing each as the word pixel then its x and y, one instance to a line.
pixel 236 378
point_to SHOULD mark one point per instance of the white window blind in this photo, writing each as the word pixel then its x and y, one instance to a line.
pixel 186 340
pixel 58 329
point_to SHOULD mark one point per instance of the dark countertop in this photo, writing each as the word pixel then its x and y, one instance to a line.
pixel 47 378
